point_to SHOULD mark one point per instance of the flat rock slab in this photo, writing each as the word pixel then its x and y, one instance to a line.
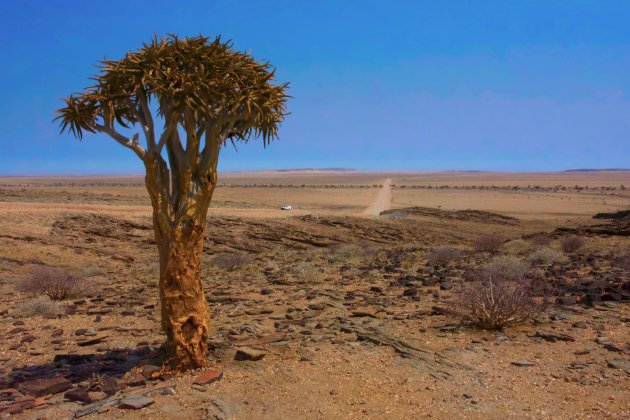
pixel 523 363
pixel 135 402
pixel 208 376
pixel 247 353
pixel 91 342
pixel 619 364
pixel 45 386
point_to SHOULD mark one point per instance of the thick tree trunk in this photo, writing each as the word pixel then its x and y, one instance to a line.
pixel 185 313
pixel 179 218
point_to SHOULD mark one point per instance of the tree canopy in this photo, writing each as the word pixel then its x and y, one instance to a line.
pixel 202 85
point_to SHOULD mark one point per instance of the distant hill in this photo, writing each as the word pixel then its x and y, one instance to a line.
pixel 597 170
pixel 318 169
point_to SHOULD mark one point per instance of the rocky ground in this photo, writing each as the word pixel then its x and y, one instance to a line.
pixel 322 317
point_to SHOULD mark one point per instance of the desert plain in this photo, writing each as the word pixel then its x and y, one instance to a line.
pixel 337 299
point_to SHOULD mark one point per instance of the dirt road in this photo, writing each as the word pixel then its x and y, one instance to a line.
pixel 382 201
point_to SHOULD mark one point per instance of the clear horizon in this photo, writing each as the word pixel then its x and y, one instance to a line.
pixel 407 85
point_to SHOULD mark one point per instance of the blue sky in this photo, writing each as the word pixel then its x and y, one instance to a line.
pixel 499 85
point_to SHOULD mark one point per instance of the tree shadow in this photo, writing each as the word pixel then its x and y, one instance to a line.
pixel 84 368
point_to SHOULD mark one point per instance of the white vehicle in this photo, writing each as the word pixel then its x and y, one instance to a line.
pixel 286 207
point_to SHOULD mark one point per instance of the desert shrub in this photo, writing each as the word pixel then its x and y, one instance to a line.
pixel 505 266
pixel 517 247
pixel 92 270
pixel 307 272
pixel 55 282
pixel 547 255
pixel 488 243
pixel 41 305
pixel 498 295
pixel 345 252
pixel 540 239
pixel 443 255
pixel 230 260
pixel 571 243
pixel 624 260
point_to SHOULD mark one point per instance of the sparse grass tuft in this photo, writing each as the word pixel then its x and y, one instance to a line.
pixel 307 272
pixel 92 271
pixel 443 255
pixel 346 252
pixel 230 261
pixel 547 255
pixel 571 243
pixel 488 243
pixel 540 239
pixel 517 247
pixel 624 260
pixel 39 306
pixel 55 282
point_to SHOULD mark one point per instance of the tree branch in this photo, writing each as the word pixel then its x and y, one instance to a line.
pixel 145 117
pixel 130 143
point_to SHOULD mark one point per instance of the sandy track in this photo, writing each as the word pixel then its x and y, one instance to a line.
pixel 382 201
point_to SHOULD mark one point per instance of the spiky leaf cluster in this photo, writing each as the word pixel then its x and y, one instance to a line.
pixel 200 83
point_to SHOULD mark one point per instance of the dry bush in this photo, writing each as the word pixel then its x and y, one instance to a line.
pixel 230 261
pixel 624 260
pixel 488 243
pixel 443 255
pixel 345 252
pixel 41 305
pixel 92 271
pixel 505 266
pixel 498 295
pixel 55 282
pixel 540 239
pixel 547 256
pixel 571 243
pixel 308 272
pixel 517 247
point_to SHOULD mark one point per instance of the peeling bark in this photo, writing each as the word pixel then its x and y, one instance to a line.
pixel 179 225
pixel 185 313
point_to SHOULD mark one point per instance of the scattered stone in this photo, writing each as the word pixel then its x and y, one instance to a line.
pixel 163 390
pixel 57 332
pixel 135 402
pixel 148 371
pixel 266 291
pixel 208 376
pixel 369 312
pixel 247 353
pixel 109 384
pixel 45 386
pixel 136 380
pixel 603 340
pixel 91 342
pixel 523 363
pixel 78 394
pixel 558 317
pixel 619 364
pixel 28 339
pixel 554 337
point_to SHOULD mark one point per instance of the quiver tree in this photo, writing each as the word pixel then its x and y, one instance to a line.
pixel 188 97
